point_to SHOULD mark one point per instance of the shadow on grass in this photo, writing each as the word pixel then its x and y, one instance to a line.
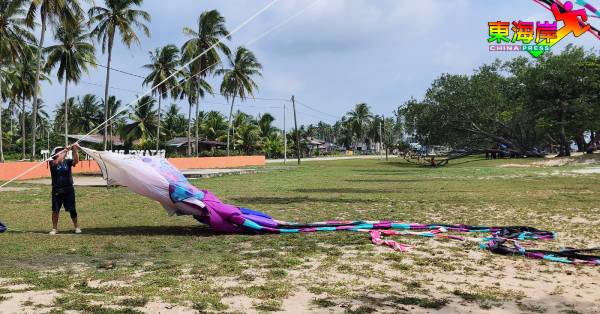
pixel 200 231
pixel 344 190
pixel 297 199
pixel 390 180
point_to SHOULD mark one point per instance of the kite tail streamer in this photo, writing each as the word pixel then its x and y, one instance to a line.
pixel 157 179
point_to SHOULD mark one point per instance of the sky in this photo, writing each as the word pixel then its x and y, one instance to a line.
pixel 336 54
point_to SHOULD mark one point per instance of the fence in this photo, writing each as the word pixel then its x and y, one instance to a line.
pixel 10 170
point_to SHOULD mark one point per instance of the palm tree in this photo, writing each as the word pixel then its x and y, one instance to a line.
pixel 211 28
pixel 193 87
pixel 248 137
pixel 114 110
pixel 13 36
pixel 53 11
pixel 175 122
pixel 359 119
pixel 6 75
pixel 89 114
pixel 143 122
pixel 71 55
pixel 164 62
pixel 265 123
pixel 238 80
pixel 214 126
pixel 116 16
pixel 14 32
pixel 23 88
pixel 59 113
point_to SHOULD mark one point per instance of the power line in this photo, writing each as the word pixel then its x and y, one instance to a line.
pixel 316 110
pixel 152 89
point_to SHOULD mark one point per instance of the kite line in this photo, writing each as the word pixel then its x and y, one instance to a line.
pixel 235 30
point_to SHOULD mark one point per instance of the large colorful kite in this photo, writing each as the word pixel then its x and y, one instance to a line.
pixel 156 178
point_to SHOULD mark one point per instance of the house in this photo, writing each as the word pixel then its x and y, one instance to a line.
pixel 180 144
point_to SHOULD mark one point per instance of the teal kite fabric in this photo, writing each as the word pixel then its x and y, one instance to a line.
pixel 156 178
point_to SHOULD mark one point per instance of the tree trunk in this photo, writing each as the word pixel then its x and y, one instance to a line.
pixel 580 141
pixel 36 87
pixel 229 127
pixel 189 132
pixel 23 138
pixel 197 148
pixel 67 113
pixel 110 46
pixel 158 126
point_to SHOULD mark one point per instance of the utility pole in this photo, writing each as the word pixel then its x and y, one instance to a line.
pixel 284 138
pixel 386 149
pixel 296 127
pixel 380 138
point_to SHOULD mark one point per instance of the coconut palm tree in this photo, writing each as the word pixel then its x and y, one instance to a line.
pixel 6 75
pixel 193 87
pixel 265 123
pixel 143 122
pixel 163 64
pixel 24 88
pixel 359 119
pixel 14 31
pixel 117 16
pixel 248 137
pixel 53 12
pixel 115 111
pixel 88 114
pixel 175 122
pixel 72 55
pixel 214 126
pixel 211 28
pixel 238 80
pixel 14 34
pixel 59 114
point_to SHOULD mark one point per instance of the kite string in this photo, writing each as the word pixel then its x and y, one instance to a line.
pixel 151 89
pixel 138 98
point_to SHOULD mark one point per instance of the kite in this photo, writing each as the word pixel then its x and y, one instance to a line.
pixel 157 179
pixel 2 228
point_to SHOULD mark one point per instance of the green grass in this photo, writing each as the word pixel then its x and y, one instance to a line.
pixel 131 247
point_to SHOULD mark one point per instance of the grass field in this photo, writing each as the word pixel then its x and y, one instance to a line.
pixel 133 258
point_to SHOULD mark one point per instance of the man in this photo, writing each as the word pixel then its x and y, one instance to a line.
pixel 63 192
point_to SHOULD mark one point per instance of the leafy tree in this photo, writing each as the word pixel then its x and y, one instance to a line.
pixel 117 16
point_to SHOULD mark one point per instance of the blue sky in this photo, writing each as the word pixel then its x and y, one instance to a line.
pixel 336 54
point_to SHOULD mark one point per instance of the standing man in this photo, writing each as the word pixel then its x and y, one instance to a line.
pixel 63 192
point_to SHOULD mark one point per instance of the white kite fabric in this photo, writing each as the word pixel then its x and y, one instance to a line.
pixel 150 176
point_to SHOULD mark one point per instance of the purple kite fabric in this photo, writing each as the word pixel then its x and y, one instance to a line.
pixel 156 178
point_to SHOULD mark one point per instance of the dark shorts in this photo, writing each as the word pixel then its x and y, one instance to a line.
pixel 63 197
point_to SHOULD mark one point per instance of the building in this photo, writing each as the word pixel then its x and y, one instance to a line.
pixel 180 144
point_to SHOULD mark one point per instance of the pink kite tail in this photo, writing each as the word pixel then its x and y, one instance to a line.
pixel 377 240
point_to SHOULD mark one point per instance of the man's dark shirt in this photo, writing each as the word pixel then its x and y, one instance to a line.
pixel 61 174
